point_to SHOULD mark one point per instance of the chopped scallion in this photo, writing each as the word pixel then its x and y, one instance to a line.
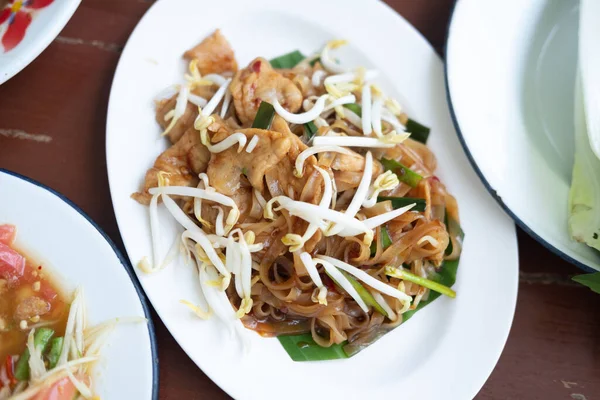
pixel 310 130
pixel 418 132
pixel 385 241
pixel 399 202
pixel 264 116
pixel 426 283
pixel 355 108
pixel 403 173
pixel 289 60
pixel 364 294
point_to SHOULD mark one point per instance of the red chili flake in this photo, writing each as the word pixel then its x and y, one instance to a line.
pixel 256 66
pixel 435 178
pixel 40 267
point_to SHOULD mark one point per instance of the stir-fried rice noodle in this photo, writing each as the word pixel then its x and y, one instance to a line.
pixel 293 233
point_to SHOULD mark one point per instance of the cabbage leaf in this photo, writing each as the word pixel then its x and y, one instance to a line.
pixel 584 196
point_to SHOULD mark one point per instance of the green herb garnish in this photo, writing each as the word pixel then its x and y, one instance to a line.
pixel 310 130
pixel 404 174
pixel 418 132
pixel 399 202
pixel 355 108
pixel 264 116
pixel 289 60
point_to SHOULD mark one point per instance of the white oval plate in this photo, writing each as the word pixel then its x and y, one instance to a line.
pixel 447 350
pixel 59 235
pixel 46 24
pixel 510 70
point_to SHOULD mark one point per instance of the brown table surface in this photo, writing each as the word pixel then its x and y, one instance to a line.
pixel 553 351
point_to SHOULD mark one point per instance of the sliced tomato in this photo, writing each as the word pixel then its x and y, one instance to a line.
pixel 62 389
pixel 48 292
pixel 7 234
pixel 12 264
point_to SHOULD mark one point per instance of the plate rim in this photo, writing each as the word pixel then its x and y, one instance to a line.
pixel 46 37
pixel 124 263
pixel 488 186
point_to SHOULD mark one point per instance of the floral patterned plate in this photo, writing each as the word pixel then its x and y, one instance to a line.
pixel 26 28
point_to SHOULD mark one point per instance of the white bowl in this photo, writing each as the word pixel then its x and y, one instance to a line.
pixel 56 233
pixel 45 25
pixel 510 70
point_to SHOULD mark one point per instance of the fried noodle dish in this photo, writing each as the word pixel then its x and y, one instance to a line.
pixel 308 198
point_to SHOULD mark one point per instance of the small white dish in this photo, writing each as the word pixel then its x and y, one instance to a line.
pixel 445 351
pixel 45 18
pixel 59 235
pixel 510 69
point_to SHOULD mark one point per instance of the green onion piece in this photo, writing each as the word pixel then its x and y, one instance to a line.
pixel 399 202
pixel 310 130
pixel 314 61
pixel 55 346
pixel 427 283
pixel 418 132
pixel 455 233
pixel 355 108
pixel 264 116
pixel 385 241
pixel 304 348
pixel 40 340
pixel 404 174
pixel 289 60
pixel 385 238
pixel 446 276
pixel 450 247
pixel 364 294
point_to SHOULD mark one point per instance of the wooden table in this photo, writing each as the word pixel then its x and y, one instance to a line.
pixel 52 128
